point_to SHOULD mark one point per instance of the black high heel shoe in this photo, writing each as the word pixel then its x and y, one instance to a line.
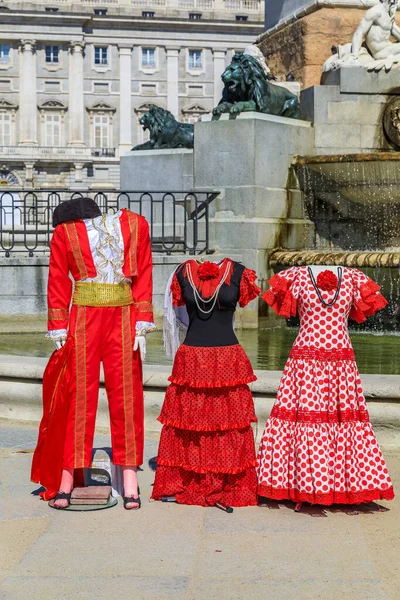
pixel 130 500
pixel 62 496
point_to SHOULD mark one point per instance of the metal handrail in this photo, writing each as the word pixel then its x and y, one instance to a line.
pixel 178 220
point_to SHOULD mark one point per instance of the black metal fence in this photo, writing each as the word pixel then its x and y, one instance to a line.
pixel 179 221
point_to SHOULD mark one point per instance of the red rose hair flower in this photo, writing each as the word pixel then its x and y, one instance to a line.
pixel 208 270
pixel 327 281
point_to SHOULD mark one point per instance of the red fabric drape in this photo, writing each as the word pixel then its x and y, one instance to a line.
pixel 48 457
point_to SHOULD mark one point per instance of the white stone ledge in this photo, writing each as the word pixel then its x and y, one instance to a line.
pixel 376 387
pixel 21 397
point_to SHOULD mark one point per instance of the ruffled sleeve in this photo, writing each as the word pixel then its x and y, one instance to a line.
pixel 367 299
pixel 283 293
pixel 176 291
pixel 248 288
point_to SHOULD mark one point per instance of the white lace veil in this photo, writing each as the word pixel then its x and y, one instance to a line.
pixel 176 321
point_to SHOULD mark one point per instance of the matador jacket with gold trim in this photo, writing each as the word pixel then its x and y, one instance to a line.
pixel 71 253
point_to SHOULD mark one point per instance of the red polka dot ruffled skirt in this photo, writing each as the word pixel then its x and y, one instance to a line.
pixel 318 445
pixel 206 452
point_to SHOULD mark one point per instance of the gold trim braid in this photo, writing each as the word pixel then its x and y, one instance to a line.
pixel 92 293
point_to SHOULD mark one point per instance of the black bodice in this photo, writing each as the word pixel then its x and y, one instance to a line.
pixel 216 328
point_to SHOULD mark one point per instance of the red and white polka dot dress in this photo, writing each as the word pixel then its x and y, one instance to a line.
pixel 318 445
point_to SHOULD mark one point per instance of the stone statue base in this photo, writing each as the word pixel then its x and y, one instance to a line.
pixel 358 80
pixel 152 170
pixel 259 207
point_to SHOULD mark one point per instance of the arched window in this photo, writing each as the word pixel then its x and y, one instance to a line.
pixel 101 116
pixel 7 122
pixel 52 123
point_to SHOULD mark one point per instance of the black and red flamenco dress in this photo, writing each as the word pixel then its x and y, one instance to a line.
pixel 318 445
pixel 206 453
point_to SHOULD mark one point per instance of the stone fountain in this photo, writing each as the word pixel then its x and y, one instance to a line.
pixel 323 188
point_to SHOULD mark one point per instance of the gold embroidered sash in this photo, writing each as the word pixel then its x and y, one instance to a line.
pixel 102 294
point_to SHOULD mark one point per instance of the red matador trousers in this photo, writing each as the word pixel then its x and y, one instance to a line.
pixel 104 335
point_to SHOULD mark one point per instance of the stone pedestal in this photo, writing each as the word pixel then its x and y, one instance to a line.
pixel 152 170
pixel 160 171
pixel 248 159
pixel 347 110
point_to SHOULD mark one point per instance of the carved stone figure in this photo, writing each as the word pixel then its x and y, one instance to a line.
pixel 165 131
pixel 391 121
pixel 376 27
pixel 246 88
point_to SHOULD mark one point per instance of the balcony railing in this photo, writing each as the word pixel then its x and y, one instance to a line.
pixel 108 152
pixel 37 153
pixel 200 4
pixel 148 3
pixel 179 221
pixel 243 5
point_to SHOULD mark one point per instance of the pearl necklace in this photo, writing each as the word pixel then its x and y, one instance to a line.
pixel 335 297
pixel 213 298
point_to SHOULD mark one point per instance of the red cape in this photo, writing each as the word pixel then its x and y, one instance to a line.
pixel 48 457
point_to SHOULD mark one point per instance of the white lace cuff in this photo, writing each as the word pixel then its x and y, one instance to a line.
pixel 57 334
pixel 143 327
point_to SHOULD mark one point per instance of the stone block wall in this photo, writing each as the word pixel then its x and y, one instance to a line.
pixel 24 288
pixel 347 110
pixel 301 47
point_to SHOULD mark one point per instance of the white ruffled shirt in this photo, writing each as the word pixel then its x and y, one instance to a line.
pixel 107 248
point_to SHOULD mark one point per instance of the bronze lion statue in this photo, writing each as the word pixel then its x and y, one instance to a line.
pixel 165 131
pixel 246 88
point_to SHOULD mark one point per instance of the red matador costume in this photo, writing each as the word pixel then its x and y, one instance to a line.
pixel 109 258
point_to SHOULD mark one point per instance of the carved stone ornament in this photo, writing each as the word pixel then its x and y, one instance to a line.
pixel 7 177
pixel 52 105
pixel 391 121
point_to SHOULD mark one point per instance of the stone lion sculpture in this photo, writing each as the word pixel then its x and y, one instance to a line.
pixel 247 88
pixel 165 131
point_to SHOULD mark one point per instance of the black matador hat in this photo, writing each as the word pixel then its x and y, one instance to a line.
pixel 77 208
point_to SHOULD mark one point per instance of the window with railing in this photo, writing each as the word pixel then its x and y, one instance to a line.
pixel 148 58
pixel 5 129
pixel 101 55
pixel 4 53
pixel 52 54
pixel 101 125
pixel 52 130
pixel 195 59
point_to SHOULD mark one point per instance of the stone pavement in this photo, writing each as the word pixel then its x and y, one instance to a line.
pixel 188 553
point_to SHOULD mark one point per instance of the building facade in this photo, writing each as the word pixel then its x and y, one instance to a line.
pixel 76 76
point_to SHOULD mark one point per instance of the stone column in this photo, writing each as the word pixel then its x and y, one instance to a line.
pixel 219 68
pixel 76 104
pixel 125 99
pixel 27 94
pixel 173 79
